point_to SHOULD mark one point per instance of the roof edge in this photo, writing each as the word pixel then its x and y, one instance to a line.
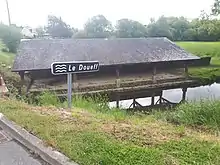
pixel 157 62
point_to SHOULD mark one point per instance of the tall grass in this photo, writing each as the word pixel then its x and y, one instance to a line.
pixel 98 104
pixel 48 98
pixel 203 113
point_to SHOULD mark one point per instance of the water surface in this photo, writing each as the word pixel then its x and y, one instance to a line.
pixel 175 95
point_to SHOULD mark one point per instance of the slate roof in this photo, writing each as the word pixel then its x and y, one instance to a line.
pixel 38 54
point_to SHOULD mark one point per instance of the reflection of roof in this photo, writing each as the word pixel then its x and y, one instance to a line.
pixel 38 54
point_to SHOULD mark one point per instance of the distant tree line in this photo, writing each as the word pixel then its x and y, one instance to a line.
pixel 204 28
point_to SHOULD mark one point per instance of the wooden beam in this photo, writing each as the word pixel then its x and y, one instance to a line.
pixel 186 71
pixel 118 81
pixel 29 85
pixel 21 82
pixel 117 100
pixel 152 99
pixel 154 74
pixel 134 103
pixel 75 83
pixel 184 94
pixel 161 94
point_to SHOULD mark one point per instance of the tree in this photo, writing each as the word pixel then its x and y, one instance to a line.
pixel 80 34
pixel 57 28
pixel 178 27
pixel 160 28
pixel 216 7
pixel 126 28
pixel 10 36
pixel 98 27
pixel 40 31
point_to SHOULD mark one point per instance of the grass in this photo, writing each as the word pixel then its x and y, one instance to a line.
pixel 205 113
pixel 202 48
pixel 98 137
pixel 205 74
pixel 11 79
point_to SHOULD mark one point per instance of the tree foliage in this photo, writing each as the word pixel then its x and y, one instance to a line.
pixel 203 28
pixel 216 7
pixel 126 28
pixel 57 28
pixel 10 36
pixel 98 27
pixel 40 31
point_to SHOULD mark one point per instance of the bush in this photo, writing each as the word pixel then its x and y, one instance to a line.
pixel 203 113
pixel 10 36
pixel 4 50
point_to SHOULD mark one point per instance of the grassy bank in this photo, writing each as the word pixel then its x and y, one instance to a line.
pixel 205 74
pixel 114 137
pixel 11 79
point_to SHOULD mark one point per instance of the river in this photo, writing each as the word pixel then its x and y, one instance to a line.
pixel 175 95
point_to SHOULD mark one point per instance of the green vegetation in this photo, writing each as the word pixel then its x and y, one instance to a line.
pixel 99 137
pixel 10 37
pixel 92 133
pixel 202 48
pixel 208 74
pixel 205 113
pixel 6 60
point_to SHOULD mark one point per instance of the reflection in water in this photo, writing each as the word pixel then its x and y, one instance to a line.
pixel 175 95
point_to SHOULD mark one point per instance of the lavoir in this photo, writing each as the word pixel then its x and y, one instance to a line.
pixel 129 68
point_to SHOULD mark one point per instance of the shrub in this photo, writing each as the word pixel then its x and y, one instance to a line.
pixel 4 50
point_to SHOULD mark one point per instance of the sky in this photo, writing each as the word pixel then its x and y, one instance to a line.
pixel 34 12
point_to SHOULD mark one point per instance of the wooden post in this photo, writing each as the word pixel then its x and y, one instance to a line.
pixel 154 74
pixel 184 94
pixel 75 84
pixel 117 100
pixel 21 82
pixel 29 85
pixel 161 94
pixel 186 72
pixel 117 77
pixel 134 103
pixel 152 99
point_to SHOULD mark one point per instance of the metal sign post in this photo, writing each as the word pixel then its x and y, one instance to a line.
pixel 58 68
pixel 69 93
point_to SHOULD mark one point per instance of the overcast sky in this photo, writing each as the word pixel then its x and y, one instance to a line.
pixel 76 12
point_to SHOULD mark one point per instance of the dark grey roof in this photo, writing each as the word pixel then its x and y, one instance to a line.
pixel 40 53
